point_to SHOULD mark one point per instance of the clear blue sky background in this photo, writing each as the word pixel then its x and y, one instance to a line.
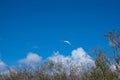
pixel 40 25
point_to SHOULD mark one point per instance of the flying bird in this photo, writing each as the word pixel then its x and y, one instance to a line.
pixel 68 42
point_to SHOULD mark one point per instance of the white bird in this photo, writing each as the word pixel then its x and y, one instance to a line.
pixel 68 42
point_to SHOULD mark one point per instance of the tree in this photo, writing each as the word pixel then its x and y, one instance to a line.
pixel 102 70
pixel 114 40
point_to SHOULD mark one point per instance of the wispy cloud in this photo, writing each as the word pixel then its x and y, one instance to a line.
pixel 31 58
pixel 36 47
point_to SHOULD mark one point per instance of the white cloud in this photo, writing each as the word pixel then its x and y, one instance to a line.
pixel 79 61
pixel 9 71
pixel 79 55
pixel 2 65
pixel 31 58
pixel 113 67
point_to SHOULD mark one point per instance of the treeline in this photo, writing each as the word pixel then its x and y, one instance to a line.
pixel 106 68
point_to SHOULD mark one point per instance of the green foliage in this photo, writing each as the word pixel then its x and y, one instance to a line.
pixel 114 38
pixel 102 70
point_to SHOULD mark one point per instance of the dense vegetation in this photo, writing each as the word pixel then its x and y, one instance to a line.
pixel 106 68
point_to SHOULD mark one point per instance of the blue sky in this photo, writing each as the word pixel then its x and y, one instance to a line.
pixel 39 26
